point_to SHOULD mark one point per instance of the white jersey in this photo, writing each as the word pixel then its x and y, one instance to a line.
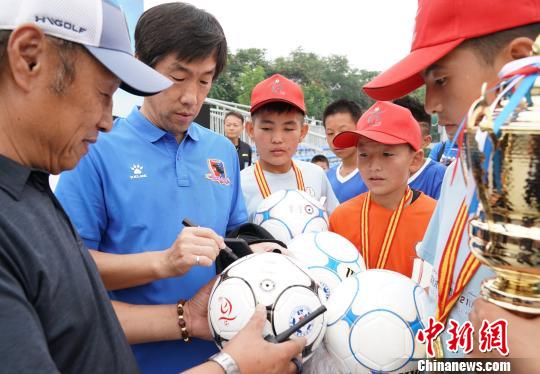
pixel 315 181
pixel 434 242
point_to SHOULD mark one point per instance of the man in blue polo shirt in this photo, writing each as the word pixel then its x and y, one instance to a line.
pixel 129 195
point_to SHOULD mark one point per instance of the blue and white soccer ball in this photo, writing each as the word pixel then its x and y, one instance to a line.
pixel 373 318
pixel 288 213
pixel 277 281
pixel 329 257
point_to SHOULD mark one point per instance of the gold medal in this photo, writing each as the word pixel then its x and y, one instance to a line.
pixel 438 347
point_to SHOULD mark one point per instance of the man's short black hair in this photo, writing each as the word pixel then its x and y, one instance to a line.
pixel 489 46
pixel 234 114
pixel 182 29
pixel 342 106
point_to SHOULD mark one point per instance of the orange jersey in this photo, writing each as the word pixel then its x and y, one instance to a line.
pixel 346 221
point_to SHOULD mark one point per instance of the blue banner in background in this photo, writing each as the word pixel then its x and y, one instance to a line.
pixel 133 10
pixel 123 102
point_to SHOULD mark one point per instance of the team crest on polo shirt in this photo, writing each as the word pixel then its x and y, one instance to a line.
pixel 217 172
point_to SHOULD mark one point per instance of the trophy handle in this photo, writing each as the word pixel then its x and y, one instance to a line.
pixel 479 117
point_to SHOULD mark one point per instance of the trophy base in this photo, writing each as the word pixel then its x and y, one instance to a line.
pixel 513 293
pixel 513 253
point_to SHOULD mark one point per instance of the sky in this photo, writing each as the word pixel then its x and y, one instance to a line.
pixel 372 34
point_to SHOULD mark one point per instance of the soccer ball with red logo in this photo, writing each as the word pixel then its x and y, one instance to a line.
pixel 329 257
pixel 288 213
pixel 373 318
pixel 276 281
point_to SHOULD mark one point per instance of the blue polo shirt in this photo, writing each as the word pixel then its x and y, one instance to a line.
pixel 130 193
pixel 346 188
pixel 429 178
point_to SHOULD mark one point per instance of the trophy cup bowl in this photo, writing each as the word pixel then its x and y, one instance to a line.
pixel 505 235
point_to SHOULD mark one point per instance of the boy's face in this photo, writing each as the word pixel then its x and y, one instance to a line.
pixel 386 168
pixel 454 82
pixel 336 124
pixel 277 136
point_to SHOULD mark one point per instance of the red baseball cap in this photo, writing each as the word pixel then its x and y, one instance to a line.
pixel 385 123
pixel 277 88
pixel 441 25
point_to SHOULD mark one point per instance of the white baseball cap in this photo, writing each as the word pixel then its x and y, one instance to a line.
pixel 99 25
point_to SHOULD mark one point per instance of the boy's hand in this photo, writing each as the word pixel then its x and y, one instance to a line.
pixel 522 331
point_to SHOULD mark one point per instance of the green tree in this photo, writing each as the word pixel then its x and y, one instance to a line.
pixel 248 79
pixel 316 97
pixel 323 78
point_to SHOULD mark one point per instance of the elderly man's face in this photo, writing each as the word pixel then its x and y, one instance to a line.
pixel 78 113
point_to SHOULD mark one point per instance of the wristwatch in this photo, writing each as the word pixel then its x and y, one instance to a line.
pixel 226 362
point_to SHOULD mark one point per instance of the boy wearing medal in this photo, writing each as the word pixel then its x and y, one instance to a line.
pixel 277 127
pixel 386 222
pixel 457 46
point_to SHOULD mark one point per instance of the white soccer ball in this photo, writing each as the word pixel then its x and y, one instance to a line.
pixel 373 318
pixel 278 282
pixel 288 213
pixel 329 257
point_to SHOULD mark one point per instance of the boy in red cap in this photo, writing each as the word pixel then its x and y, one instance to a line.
pixel 277 127
pixel 457 46
pixel 386 222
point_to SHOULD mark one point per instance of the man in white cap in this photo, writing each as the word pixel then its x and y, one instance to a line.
pixel 60 63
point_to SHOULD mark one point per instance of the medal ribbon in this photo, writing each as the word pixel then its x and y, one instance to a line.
pixel 263 184
pixel 388 235
pixel 448 264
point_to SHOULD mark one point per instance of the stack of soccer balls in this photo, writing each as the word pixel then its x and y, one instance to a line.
pixel 373 315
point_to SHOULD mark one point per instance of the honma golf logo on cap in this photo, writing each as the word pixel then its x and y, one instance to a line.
pixel 60 23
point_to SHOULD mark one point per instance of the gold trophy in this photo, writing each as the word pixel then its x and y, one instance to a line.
pixel 505 235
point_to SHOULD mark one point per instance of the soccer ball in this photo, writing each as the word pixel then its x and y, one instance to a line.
pixel 276 281
pixel 287 213
pixel 373 318
pixel 329 257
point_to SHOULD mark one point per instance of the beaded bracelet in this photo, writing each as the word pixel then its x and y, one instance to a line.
pixel 181 321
